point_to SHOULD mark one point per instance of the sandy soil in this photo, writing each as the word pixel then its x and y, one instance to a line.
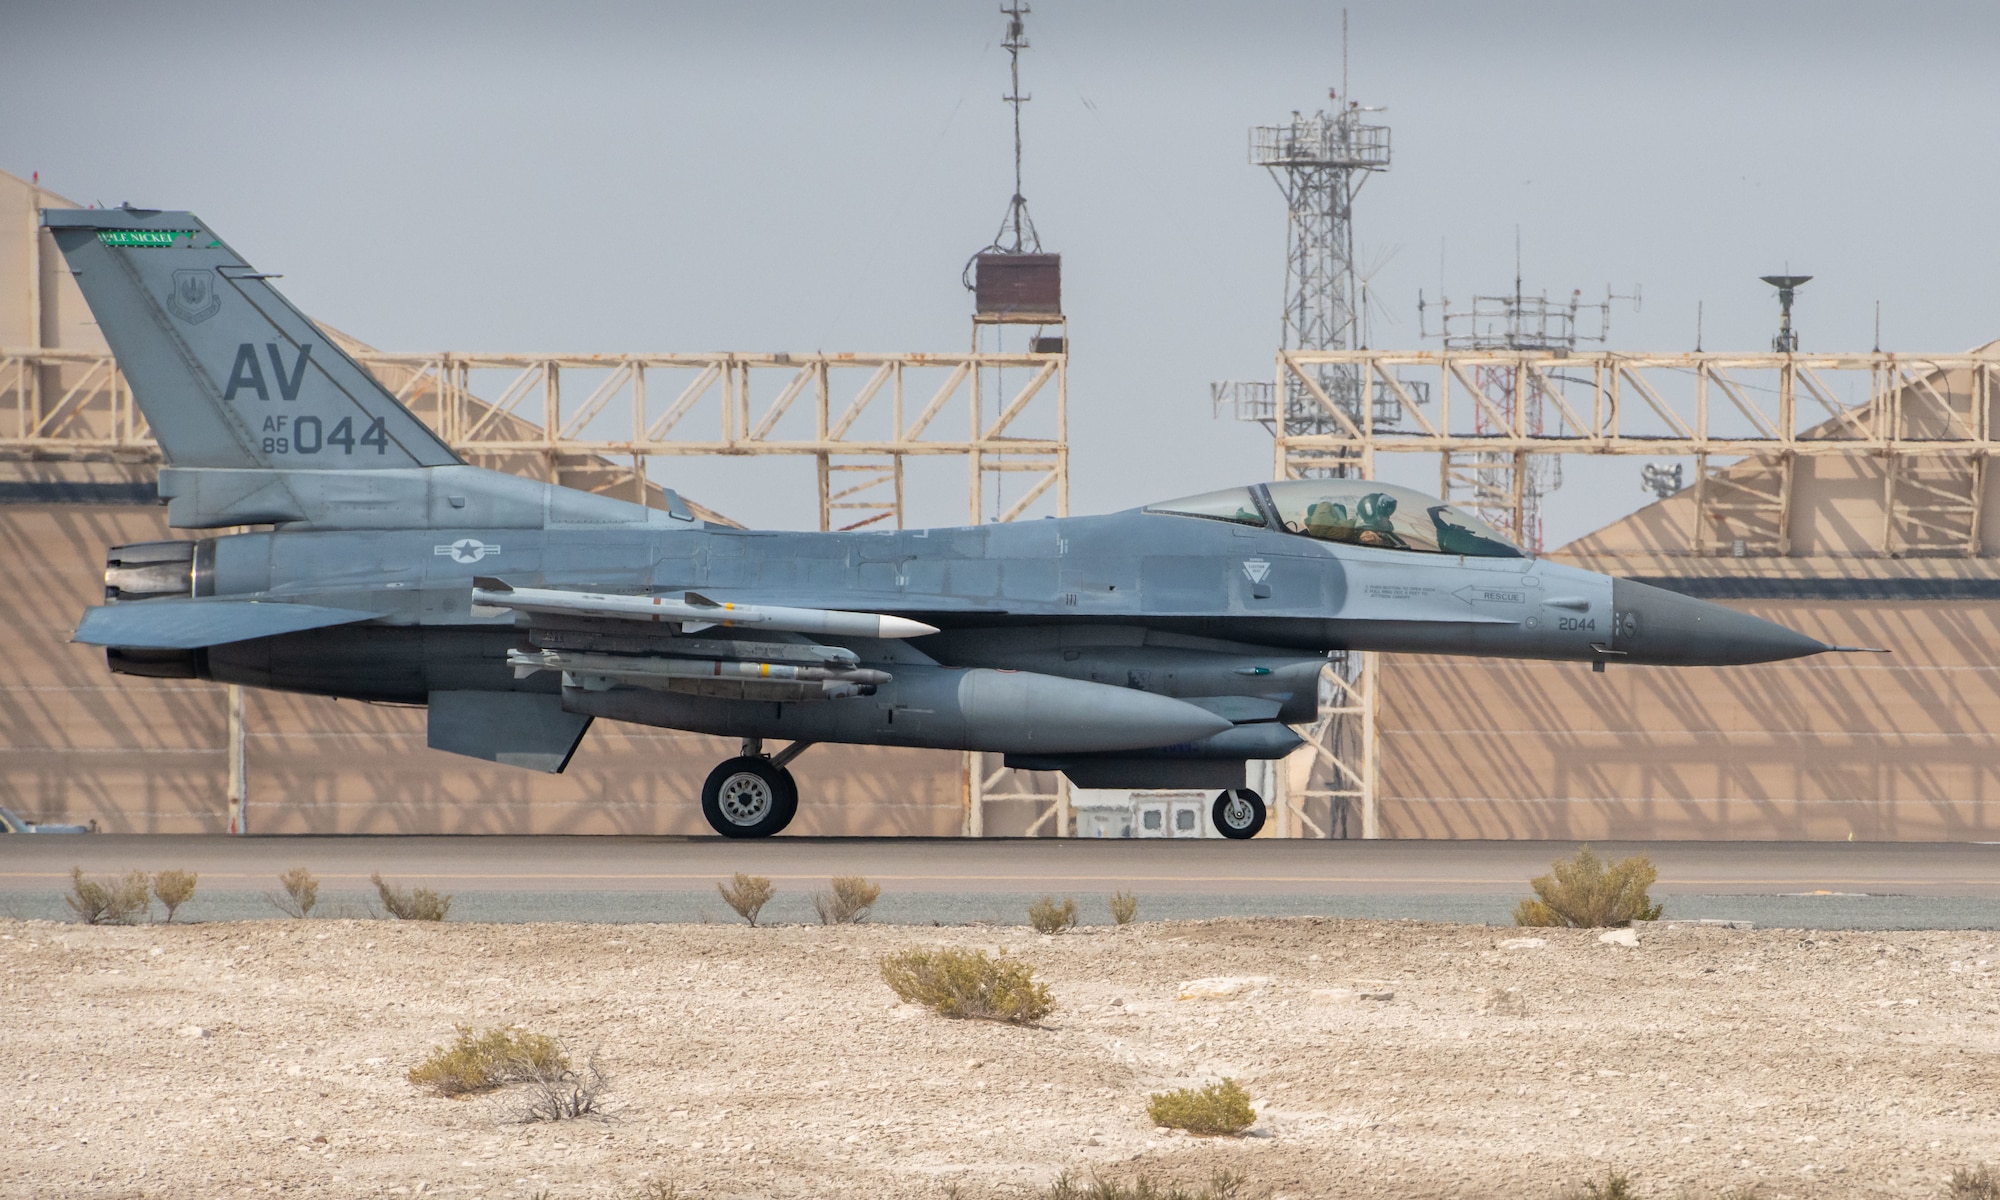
pixel 267 1057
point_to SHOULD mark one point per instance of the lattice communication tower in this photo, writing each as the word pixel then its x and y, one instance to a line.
pixel 1506 489
pixel 1320 163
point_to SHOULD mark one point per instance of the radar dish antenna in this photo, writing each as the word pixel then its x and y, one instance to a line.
pixel 1787 341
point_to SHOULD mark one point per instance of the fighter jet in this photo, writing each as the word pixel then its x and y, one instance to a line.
pixel 1163 646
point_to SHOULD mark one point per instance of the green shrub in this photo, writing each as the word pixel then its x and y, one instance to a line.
pixel 173 889
pixel 417 904
pixel 1223 1185
pixel 747 894
pixel 1124 907
pixel 1615 1185
pixel 847 900
pixel 966 983
pixel 481 1062
pixel 1218 1110
pixel 1583 893
pixel 1972 1183
pixel 1049 917
pixel 301 893
pixel 117 903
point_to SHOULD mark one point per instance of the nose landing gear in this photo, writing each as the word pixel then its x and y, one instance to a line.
pixel 752 795
pixel 1238 813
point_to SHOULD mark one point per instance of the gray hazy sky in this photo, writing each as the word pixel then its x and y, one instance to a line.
pixel 804 176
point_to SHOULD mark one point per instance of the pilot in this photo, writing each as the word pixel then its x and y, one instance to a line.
pixel 1373 527
pixel 1329 522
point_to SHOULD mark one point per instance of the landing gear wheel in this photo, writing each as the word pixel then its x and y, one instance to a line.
pixel 791 799
pixel 748 798
pixel 1239 813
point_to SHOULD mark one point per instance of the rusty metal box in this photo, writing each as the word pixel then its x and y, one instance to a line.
pixel 1018 287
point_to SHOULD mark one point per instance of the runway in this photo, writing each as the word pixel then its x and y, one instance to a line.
pixel 1256 868
pixel 1808 884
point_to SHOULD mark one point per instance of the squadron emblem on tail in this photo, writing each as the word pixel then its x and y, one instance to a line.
pixel 193 297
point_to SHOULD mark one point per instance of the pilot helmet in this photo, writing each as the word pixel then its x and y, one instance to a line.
pixel 1376 507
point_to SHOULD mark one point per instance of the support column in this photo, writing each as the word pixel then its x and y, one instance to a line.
pixel 1371 817
pixel 826 491
pixel 975 794
pixel 238 789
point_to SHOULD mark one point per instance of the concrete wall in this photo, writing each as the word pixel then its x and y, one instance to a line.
pixel 1900 746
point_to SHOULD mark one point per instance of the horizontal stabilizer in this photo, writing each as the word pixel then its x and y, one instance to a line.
pixel 189 624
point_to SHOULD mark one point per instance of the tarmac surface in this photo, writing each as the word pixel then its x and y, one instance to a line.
pixel 1886 885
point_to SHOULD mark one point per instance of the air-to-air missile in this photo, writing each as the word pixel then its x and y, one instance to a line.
pixel 693 612
pixel 1163 646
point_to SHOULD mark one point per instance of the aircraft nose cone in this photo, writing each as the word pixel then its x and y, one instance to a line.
pixel 1656 626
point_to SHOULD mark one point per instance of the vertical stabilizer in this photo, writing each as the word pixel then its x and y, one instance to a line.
pixel 228 373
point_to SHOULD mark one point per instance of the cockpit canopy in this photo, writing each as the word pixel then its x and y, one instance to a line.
pixel 1359 512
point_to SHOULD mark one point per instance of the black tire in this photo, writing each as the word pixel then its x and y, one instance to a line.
pixel 749 798
pixel 1238 813
pixel 791 799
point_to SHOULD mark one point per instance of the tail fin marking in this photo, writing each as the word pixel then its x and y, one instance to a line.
pixel 228 373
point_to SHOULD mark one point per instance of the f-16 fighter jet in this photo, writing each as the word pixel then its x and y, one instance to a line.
pixel 1158 647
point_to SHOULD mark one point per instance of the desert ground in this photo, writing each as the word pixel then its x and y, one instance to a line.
pixel 1391 1059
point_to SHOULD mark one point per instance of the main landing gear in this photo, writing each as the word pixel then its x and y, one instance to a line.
pixel 753 795
pixel 1238 813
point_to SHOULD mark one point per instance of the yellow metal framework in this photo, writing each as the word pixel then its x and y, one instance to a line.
pixel 1928 418
pixel 859 416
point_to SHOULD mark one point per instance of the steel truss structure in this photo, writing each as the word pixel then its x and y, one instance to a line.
pixel 1747 420
pixel 859 416
pixel 1927 418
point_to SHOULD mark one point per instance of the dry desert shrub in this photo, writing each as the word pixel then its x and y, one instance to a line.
pixel 557 1092
pixel 300 894
pixel 1124 907
pixel 747 894
pixel 1223 1185
pixel 1616 1185
pixel 417 904
pixel 116 903
pixel 967 984
pixel 1584 893
pixel 173 889
pixel 1049 917
pixel 478 1062
pixel 847 900
pixel 1972 1183
pixel 1218 1110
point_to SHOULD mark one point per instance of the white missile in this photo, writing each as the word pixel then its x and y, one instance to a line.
pixel 693 611
pixel 527 662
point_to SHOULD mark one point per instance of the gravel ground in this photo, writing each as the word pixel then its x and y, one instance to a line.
pixel 254 1058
